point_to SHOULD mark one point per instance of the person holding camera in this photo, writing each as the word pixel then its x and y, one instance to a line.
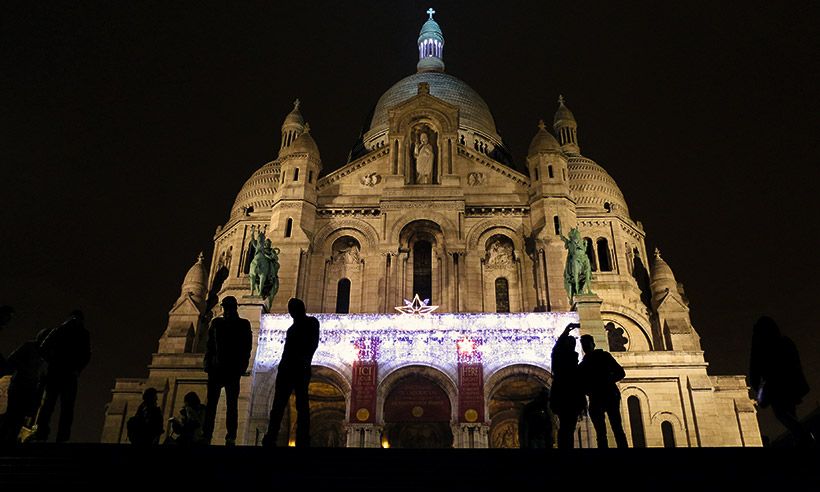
pixel 568 401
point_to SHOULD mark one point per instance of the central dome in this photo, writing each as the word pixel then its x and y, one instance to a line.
pixel 474 114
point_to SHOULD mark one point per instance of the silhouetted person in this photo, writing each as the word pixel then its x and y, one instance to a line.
pixel 294 374
pixel 25 390
pixel 599 372
pixel 187 427
pixel 567 397
pixel 227 356
pixel 535 423
pixel 776 376
pixel 67 350
pixel 145 427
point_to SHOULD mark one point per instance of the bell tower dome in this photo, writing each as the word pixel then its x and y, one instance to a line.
pixel 431 46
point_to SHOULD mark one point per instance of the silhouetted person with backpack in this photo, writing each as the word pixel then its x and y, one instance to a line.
pixel 776 377
pixel 227 356
pixel 67 351
pixel 535 423
pixel 294 374
pixel 25 389
pixel 599 372
pixel 567 399
pixel 145 427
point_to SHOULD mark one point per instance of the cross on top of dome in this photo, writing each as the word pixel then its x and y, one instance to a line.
pixel 430 12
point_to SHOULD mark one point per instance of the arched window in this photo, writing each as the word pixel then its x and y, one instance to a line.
pixel 288 227
pixel 343 296
pixel 296 174
pixel 556 221
pixel 549 171
pixel 502 295
pixel 668 433
pixel 423 270
pixel 633 405
pixel 591 254
pixel 310 176
pixel 603 255
pixel 536 174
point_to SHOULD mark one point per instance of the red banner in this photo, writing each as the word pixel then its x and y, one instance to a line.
pixel 470 392
pixel 363 392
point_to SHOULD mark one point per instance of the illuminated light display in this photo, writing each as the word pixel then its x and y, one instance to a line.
pixel 439 340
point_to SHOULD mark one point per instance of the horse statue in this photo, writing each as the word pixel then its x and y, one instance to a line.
pixel 264 269
pixel 578 271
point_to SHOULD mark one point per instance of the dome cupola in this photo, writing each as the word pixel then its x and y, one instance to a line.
pixel 304 143
pixel 293 126
pixel 431 46
pixel 543 141
pixel 566 128
pixel 662 279
pixel 195 281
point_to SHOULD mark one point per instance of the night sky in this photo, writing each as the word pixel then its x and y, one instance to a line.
pixel 129 127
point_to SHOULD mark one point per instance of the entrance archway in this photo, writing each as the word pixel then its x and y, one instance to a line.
pixel 512 388
pixel 417 414
pixel 326 394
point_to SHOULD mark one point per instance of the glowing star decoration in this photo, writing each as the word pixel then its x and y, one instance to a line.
pixel 416 306
pixel 468 350
pixel 466 346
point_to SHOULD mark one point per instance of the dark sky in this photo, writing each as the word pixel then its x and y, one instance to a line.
pixel 129 127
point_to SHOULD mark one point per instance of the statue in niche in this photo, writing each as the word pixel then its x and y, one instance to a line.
pixel 499 252
pixel 424 155
pixel 347 253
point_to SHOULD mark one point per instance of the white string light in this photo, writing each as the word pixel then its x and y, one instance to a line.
pixel 438 339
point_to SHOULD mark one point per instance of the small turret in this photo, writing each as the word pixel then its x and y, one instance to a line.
pixel 671 325
pixel 293 126
pixel 566 128
pixel 431 46
pixel 195 282
pixel 663 280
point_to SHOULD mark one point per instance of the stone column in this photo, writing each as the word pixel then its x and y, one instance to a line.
pixel 588 307
pixel 364 435
pixel 468 436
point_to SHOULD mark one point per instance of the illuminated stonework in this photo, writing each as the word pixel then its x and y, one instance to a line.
pixel 430 205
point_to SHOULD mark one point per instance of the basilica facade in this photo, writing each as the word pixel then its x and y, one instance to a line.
pixel 431 215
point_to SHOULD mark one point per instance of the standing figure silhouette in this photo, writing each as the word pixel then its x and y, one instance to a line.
pixel 599 372
pixel 294 374
pixel 776 377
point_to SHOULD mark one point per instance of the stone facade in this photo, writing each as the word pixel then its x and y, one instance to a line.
pixel 430 203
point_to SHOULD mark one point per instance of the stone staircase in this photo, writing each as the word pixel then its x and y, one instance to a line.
pixel 252 468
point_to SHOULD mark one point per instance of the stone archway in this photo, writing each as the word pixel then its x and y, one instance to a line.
pixel 327 393
pixel 511 389
pixel 417 413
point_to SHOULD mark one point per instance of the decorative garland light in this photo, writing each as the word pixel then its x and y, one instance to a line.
pixel 439 340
